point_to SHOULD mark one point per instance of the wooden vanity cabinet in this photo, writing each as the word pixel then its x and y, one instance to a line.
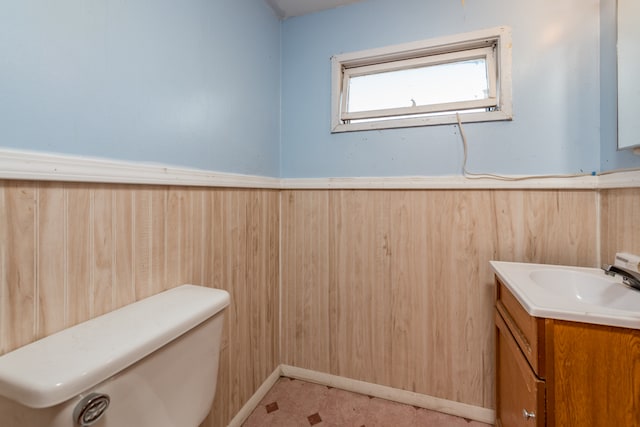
pixel 521 389
pixel 520 367
pixel 565 373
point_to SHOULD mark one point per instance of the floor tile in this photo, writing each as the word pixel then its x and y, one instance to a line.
pixel 294 403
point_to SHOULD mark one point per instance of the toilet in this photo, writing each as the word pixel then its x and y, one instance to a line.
pixel 153 363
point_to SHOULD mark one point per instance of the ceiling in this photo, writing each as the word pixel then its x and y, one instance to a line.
pixel 288 8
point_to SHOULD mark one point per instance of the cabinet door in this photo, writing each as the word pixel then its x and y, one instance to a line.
pixel 520 394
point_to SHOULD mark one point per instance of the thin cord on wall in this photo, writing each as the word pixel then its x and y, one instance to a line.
pixel 472 175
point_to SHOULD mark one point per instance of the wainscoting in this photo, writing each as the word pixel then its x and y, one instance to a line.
pixel 619 222
pixel 70 252
pixel 391 287
pixel 394 287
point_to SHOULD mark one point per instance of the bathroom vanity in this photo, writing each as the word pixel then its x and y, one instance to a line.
pixel 567 348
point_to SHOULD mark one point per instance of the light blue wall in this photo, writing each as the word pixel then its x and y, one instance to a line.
pixel 197 83
pixel 610 157
pixel 556 92
pixel 192 83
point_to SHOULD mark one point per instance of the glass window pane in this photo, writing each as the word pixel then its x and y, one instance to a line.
pixel 427 85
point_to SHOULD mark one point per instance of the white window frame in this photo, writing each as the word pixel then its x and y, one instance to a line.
pixel 494 45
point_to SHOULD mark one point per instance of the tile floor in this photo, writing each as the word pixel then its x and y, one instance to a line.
pixel 294 403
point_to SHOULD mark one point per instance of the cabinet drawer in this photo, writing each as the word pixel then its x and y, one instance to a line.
pixel 520 392
pixel 528 331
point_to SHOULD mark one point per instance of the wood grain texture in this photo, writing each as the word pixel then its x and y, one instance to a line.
pixel 619 225
pixel 18 311
pixel 69 252
pixel 244 249
pixel 78 253
pixel 142 242
pixel 102 251
pixel 516 383
pixel 158 280
pixel 123 261
pixel 547 226
pixel 528 331
pixel 51 268
pixel 405 297
pixel 305 232
pixel 173 238
pixel 596 379
pixel 390 287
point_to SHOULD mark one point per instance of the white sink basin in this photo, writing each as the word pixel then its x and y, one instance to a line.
pixel 571 293
pixel 587 288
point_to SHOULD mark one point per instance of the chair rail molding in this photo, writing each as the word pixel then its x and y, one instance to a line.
pixel 30 165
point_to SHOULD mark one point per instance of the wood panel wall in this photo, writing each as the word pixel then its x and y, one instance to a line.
pixel 390 287
pixel 394 287
pixel 619 224
pixel 70 252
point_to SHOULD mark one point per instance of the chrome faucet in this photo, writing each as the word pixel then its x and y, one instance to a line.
pixel 629 277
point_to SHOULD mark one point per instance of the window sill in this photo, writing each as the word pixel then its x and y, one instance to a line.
pixel 489 116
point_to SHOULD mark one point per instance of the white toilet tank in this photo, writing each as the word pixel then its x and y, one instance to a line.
pixel 153 363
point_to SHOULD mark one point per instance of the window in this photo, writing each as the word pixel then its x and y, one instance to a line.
pixel 424 83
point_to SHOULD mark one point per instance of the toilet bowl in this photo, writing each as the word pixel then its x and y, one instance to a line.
pixel 153 363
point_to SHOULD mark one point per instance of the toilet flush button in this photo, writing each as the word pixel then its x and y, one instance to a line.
pixel 90 409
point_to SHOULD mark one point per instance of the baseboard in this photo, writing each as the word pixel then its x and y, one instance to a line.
pixel 253 402
pixel 401 396
pixel 450 407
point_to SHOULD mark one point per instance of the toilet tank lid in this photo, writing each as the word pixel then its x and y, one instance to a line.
pixel 63 365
